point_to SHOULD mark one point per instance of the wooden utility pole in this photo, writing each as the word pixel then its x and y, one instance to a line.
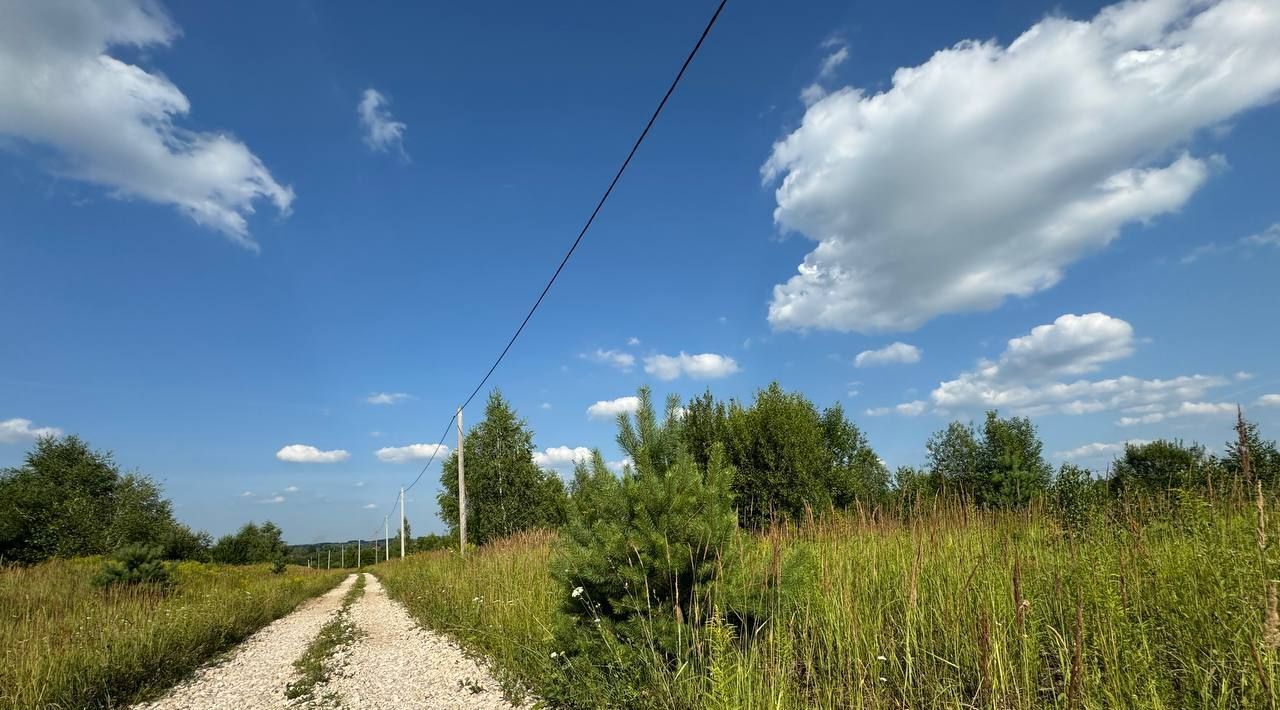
pixel 402 522
pixel 358 553
pixel 386 538
pixel 462 494
pixel 344 556
pixel 328 563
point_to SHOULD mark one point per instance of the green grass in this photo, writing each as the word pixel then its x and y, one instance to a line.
pixel 1163 609
pixel 65 644
pixel 338 632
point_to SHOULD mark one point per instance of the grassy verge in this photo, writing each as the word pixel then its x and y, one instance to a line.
pixel 65 644
pixel 956 608
pixel 338 632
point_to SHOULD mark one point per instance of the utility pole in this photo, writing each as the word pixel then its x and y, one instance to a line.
pixel 328 564
pixel 462 494
pixel 386 538
pixel 344 555
pixel 402 522
pixel 358 541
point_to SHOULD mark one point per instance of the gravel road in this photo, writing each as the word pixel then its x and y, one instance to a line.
pixel 255 674
pixel 395 664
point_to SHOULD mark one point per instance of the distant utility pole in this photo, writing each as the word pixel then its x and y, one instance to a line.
pixel 358 541
pixel 462 494
pixel 328 564
pixel 402 522
pixel 386 538
pixel 344 556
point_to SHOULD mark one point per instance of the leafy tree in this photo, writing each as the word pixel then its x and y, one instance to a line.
pixel 856 472
pixel 1264 458
pixel 953 458
pixel 1005 468
pixel 68 500
pixel 1160 465
pixel 704 424
pixel 251 543
pixel 506 491
pixel 1076 495
pixel 1011 465
pixel 778 450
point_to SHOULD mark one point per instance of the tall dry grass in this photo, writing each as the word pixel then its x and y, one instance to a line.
pixel 1159 604
pixel 66 644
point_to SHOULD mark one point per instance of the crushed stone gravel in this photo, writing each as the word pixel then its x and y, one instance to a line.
pixel 395 664
pixel 254 676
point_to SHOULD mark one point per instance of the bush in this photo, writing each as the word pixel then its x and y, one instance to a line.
pixel 635 556
pixel 278 566
pixel 134 564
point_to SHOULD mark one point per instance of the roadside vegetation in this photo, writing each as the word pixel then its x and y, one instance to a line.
pixel 729 566
pixel 314 666
pixel 67 643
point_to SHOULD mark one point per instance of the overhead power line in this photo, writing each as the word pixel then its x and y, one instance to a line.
pixel 653 118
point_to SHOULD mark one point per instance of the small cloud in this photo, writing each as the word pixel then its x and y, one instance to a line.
pixel 15 430
pixel 1269 400
pixel 701 366
pixel 620 464
pixel 412 452
pixel 609 408
pixel 1241 376
pixel 303 453
pixel 376 434
pixel 722 320
pixel 892 354
pixel 382 133
pixel 613 358
pixel 832 62
pixel 291 489
pixel 633 341
pixel 246 494
pixel 906 409
pixel 371 506
pixel 359 484
pixel 561 456
pixel 544 405
pixel 385 398
pixel 272 500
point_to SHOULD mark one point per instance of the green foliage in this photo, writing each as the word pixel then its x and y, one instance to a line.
pixel 1077 497
pixel 636 550
pixel 63 645
pixel 856 473
pixel 1264 457
pixel 68 500
pixel 1003 469
pixel 506 492
pixel 251 544
pixel 1160 465
pixel 279 566
pixel 134 564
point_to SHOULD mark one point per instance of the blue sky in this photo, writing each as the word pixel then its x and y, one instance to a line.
pixel 224 230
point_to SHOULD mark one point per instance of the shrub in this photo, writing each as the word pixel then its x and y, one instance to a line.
pixel 134 564
pixel 278 566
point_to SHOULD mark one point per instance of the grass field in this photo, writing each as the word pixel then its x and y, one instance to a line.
pixel 1162 608
pixel 66 644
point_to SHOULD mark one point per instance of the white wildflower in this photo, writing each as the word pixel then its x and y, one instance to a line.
pixel 577 592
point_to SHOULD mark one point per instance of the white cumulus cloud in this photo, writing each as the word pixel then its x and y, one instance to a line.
pixel 382 133
pixel 988 170
pixel 1269 400
pixel 703 366
pixel 385 398
pixel 112 123
pixel 888 355
pixel 614 358
pixel 609 408
pixel 412 452
pixel 291 489
pixel 272 500
pixel 561 456
pixel 16 430
pixel 1098 450
pixel 906 409
pixel 1038 373
pixel 1183 409
pixel 303 453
